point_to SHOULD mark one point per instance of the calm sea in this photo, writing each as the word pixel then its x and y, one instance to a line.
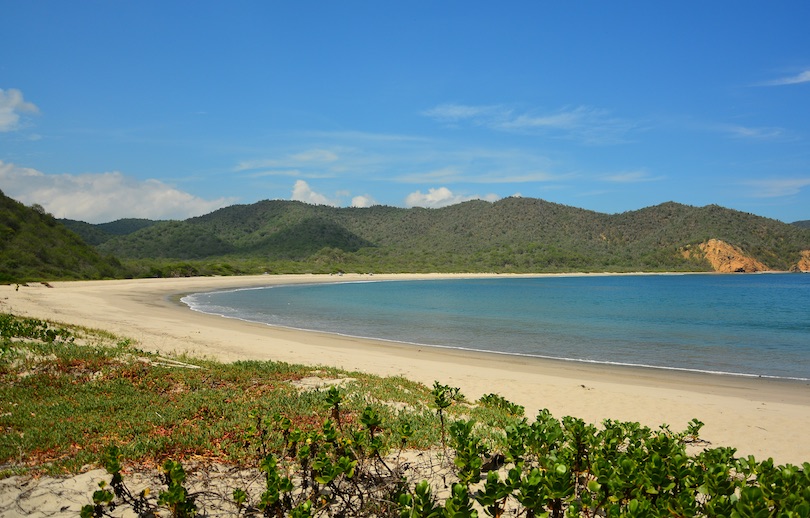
pixel 754 325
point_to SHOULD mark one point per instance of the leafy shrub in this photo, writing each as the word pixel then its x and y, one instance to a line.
pixel 551 468
pixel 31 328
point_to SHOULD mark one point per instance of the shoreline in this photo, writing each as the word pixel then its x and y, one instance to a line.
pixel 764 417
pixel 633 374
pixel 178 300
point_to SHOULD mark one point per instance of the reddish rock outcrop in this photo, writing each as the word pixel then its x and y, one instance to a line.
pixel 804 263
pixel 727 258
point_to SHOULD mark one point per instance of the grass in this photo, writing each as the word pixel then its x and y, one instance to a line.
pixel 63 402
pixel 68 394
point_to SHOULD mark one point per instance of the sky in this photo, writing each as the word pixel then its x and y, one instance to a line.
pixel 167 110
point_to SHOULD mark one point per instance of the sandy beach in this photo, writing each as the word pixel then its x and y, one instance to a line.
pixel 761 417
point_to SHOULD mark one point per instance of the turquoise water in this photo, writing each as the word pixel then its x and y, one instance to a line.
pixel 754 325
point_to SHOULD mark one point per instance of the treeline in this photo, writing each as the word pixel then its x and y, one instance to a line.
pixel 35 246
pixel 511 235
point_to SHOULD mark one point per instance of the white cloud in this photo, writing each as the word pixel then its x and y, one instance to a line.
pixel 248 165
pixel 276 172
pixel 755 133
pixel 450 112
pixel 11 105
pixel 303 192
pixel 447 174
pixel 583 123
pixel 777 187
pixel 297 161
pixel 363 201
pixel 315 155
pixel 362 136
pixel 402 160
pixel 454 174
pixel 482 165
pixel 442 197
pixel 528 177
pixel 103 197
pixel 632 177
pixel 565 119
pixel 739 131
pixel 803 77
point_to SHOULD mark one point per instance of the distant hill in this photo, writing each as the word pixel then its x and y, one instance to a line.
pixel 35 246
pixel 510 235
pixel 102 232
pixel 804 223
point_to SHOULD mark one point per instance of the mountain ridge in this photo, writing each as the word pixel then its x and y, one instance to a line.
pixel 510 235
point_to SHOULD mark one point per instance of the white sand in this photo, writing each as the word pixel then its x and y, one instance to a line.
pixel 757 416
pixel 760 417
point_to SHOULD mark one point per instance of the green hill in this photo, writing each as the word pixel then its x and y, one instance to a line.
pixel 35 246
pixel 804 223
pixel 510 235
pixel 100 233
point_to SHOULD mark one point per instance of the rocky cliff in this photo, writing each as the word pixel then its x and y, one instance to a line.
pixel 727 258
pixel 804 263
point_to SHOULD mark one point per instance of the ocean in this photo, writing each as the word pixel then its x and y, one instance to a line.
pixel 736 324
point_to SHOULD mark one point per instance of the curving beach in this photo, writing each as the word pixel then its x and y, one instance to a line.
pixel 761 417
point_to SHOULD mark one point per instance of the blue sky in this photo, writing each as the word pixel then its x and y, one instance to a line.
pixel 116 109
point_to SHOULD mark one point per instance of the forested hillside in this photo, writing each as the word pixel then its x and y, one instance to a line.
pixel 100 233
pixel 35 246
pixel 510 235
pixel 804 223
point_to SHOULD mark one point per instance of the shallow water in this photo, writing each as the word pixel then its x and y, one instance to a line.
pixel 754 325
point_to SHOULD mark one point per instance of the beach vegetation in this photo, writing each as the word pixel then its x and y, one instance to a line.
pixel 501 403
pixel 443 397
pixel 325 442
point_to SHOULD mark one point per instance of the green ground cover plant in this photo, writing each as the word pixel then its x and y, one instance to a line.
pixel 180 407
pixel 71 397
